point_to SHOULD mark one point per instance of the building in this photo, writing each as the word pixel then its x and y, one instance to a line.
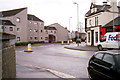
pixel 97 19
pixel 19 18
pixel 62 33
pixel 35 28
pixel 50 34
pixel 29 28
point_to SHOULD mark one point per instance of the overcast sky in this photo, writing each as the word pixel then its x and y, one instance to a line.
pixel 52 11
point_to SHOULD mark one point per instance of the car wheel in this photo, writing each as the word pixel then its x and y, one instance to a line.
pixel 100 48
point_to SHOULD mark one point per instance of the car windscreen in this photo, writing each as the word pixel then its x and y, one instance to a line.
pixel 118 59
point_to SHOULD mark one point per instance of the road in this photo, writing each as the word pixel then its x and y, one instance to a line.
pixel 52 61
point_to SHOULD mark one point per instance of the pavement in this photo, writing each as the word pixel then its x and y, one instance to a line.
pixel 81 47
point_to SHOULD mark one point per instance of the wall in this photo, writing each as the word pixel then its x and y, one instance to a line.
pixel 8 62
pixel 7 56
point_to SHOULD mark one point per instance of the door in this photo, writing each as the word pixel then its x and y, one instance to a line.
pixel 92 38
pixel 107 67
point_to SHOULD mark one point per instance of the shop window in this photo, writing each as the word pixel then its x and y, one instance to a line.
pixel 96 37
pixel 117 30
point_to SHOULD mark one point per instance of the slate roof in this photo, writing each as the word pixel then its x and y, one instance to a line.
pixel 6 22
pixel 116 22
pixel 34 18
pixel 49 28
pixel 100 8
pixel 11 12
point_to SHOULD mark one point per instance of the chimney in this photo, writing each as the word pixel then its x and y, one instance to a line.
pixel 105 3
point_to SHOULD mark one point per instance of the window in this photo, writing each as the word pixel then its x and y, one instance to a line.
pixel 18 38
pixel 51 31
pixel 108 58
pixel 35 30
pixel 54 32
pixel 11 28
pixel 46 38
pixel 118 59
pixel 30 22
pixel 103 39
pixel 99 56
pixel 30 30
pixel 96 21
pixel 18 29
pixel 30 38
pixel 89 22
pixel 18 19
pixel 36 38
pixel 41 31
pixel 88 37
pixel 46 32
pixel 96 36
pixel 41 37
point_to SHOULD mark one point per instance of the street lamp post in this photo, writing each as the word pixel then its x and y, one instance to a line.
pixel 69 23
pixel 69 28
pixel 77 18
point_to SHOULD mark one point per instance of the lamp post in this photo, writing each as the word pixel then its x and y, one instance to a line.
pixel 77 18
pixel 69 28
pixel 70 22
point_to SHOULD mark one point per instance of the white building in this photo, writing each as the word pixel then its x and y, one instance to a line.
pixel 96 18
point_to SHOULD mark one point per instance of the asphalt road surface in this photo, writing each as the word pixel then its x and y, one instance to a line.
pixel 52 61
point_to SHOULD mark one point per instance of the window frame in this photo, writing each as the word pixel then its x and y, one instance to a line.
pixel 11 28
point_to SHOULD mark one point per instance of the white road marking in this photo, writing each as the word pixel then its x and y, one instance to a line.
pixel 57 73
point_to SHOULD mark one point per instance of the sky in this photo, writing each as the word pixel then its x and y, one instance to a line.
pixel 53 11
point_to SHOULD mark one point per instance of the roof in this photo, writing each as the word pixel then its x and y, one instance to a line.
pixel 100 8
pixel 116 22
pixel 34 18
pixel 6 22
pixel 49 28
pixel 11 12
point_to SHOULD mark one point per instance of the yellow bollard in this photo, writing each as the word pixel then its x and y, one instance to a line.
pixel 68 42
pixel 62 42
pixel 29 48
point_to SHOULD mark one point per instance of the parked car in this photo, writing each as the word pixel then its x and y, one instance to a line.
pixel 104 65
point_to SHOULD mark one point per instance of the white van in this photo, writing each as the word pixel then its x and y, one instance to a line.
pixel 110 40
